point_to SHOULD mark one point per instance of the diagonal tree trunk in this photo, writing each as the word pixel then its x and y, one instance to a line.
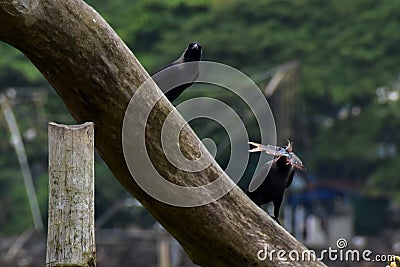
pixel 96 75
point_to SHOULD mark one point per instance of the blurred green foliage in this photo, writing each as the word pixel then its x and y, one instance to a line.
pixel 347 112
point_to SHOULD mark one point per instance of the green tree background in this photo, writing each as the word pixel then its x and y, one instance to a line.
pixel 346 112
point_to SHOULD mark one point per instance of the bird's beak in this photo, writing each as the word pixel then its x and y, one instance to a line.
pixel 195 46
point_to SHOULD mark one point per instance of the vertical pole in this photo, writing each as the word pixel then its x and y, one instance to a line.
pixel 70 239
pixel 23 161
pixel 163 251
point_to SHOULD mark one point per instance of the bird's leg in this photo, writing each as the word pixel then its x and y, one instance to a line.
pixel 277 206
pixel 277 220
pixel 273 217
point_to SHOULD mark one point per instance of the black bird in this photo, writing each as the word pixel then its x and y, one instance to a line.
pixel 184 75
pixel 277 179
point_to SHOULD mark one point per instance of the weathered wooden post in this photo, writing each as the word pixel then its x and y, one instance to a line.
pixel 70 240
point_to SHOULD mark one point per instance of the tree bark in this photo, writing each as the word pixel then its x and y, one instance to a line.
pixel 96 75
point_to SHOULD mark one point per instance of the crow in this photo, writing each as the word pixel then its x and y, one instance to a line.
pixel 276 175
pixel 183 74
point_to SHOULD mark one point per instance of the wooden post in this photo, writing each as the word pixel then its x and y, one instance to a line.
pixel 70 240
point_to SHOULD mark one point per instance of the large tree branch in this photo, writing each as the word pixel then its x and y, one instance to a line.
pixel 96 74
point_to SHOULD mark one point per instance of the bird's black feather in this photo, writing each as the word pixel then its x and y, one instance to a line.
pixel 183 75
pixel 276 175
pixel 276 180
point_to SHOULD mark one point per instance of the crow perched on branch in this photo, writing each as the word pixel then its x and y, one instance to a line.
pixel 275 179
pixel 183 74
